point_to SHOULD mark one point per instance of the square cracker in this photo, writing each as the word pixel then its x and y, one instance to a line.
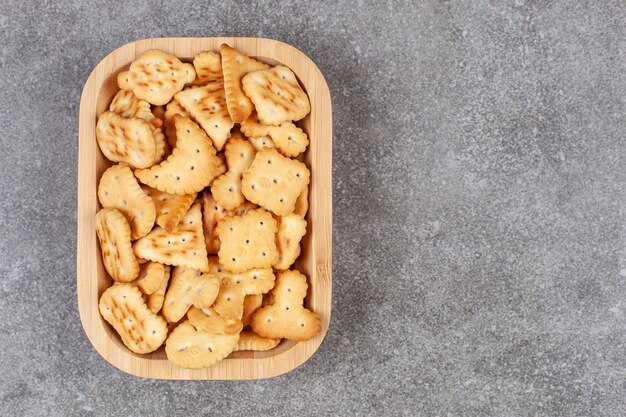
pixel 248 241
pixel 234 66
pixel 275 182
pixel 276 95
pixel 207 106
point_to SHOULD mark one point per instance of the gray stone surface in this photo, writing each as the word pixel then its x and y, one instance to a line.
pixel 479 238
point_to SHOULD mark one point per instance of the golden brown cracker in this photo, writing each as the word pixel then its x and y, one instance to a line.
pixel 130 141
pixel 183 247
pixel 155 300
pixel 250 304
pixel 248 340
pixel 156 77
pixel 289 139
pixel 170 208
pixel 191 166
pixel 291 229
pixel 128 105
pixel 210 321
pixel 189 287
pixel 239 155
pixel 234 66
pixel 274 181
pixel 117 252
pixel 302 203
pixel 287 318
pixel 191 347
pixel 119 189
pixel 172 108
pixel 150 277
pixel 212 212
pixel 226 188
pixel 123 307
pixel 207 106
pixel 262 142
pixel 208 67
pixel 247 241
pixel 276 95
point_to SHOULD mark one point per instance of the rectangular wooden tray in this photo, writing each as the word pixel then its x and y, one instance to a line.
pixel 315 260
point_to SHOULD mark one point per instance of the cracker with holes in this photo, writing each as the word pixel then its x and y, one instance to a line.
pixel 235 287
pixel 287 318
pixel 275 182
pixel 250 304
pixel 151 275
pixel 155 300
pixel 208 66
pixel 191 166
pixel 207 106
pixel 188 288
pixel 276 95
pixel 291 230
pixel 235 66
pixel 248 340
pixel 289 139
pixel 119 189
pixel 183 247
pixel 130 141
pixel 302 203
pixel 226 189
pixel 191 347
pixel 117 252
pixel 156 77
pixel 262 142
pixel 172 108
pixel 123 307
pixel 170 208
pixel 210 321
pixel 247 241
pixel 212 213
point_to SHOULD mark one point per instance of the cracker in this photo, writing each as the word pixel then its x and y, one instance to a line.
pixel 156 77
pixel 207 106
pixel 119 189
pixel 275 182
pixel 210 321
pixel 191 166
pixel 189 287
pixel 226 188
pixel 221 166
pixel 208 66
pixel 141 330
pixel 155 300
pixel 248 340
pixel 172 108
pixel 287 318
pixel 250 304
pixel 117 252
pixel 126 140
pixel 291 229
pixel 234 66
pixel 235 287
pixel 276 95
pixel 150 277
pixel 302 203
pixel 191 347
pixel 289 139
pixel 262 142
pixel 212 212
pixel 170 208
pixel 247 241
pixel 128 105
pixel 183 247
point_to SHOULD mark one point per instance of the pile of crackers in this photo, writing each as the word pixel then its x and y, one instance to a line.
pixel 203 213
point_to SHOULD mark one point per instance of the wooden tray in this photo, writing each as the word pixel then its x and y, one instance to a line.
pixel 316 258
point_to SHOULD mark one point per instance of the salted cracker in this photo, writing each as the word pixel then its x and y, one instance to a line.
pixel 291 229
pixel 248 340
pixel 155 300
pixel 117 252
pixel 123 307
pixel 210 321
pixel 226 188
pixel 208 66
pixel 247 241
pixel 172 108
pixel 191 166
pixel 156 77
pixel 276 95
pixel 151 275
pixel 128 105
pixel 119 189
pixel 274 181
pixel 170 208
pixel 235 66
pixel 262 142
pixel 212 213
pixel 183 247
pixel 188 288
pixel 130 141
pixel 207 106
pixel 302 203
pixel 288 138
pixel 250 304
pixel 287 318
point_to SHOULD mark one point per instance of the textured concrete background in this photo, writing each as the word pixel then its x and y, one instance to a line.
pixel 479 241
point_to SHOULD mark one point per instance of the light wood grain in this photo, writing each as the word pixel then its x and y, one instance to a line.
pixel 315 260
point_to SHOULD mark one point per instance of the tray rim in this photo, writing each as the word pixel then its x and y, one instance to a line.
pixel 244 368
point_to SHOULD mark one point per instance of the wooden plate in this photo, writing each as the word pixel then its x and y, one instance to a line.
pixel 315 260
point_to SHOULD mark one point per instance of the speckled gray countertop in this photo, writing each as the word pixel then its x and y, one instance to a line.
pixel 479 223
